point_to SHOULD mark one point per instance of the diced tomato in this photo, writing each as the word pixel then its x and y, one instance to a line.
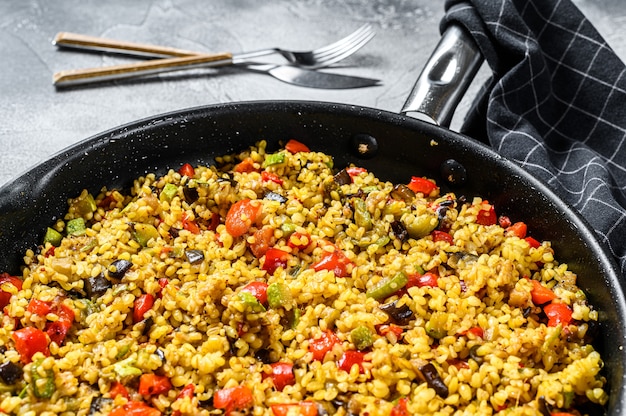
pixel 39 307
pixel 504 221
pixel 541 294
pixel 241 216
pixel 476 331
pixel 423 185
pixel 282 375
pixel 558 313
pixel 142 305
pixel 442 236
pixel 258 290
pixel 187 170
pixel 271 177
pixel 190 225
pixel 355 171
pixel 335 261
pixel 486 215
pixel 428 279
pixel 245 166
pixel 152 384
pixel 294 146
pixel 187 391
pixel 385 329
pixel 7 279
pixel 532 242
pixel 400 408
pixel 350 358
pixel 518 229
pixel 299 240
pixel 263 239
pixel 275 258
pixel 57 330
pixel 29 341
pixel 320 346
pixel 234 398
pixel 118 389
pixel 213 222
pixel 134 408
pixel 300 409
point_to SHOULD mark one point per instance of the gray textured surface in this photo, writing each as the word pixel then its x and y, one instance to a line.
pixel 37 121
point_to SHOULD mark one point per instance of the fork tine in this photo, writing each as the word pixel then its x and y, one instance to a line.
pixel 339 54
pixel 364 30
pixel 357 42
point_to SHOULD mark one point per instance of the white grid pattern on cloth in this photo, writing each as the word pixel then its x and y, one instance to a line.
pixel 559 107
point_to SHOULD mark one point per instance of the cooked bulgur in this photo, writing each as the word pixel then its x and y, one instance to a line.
pixel 275 284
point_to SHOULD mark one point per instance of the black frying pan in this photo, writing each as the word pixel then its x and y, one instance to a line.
pixel 405 147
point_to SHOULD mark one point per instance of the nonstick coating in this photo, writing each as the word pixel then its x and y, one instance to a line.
pixel 406 147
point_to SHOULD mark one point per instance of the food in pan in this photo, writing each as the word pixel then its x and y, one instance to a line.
pixel 274 283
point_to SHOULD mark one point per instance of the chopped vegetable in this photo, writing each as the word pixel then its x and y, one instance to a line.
pixel 240 217
pixel 421 225
pixel 401 315
pixel 53 237
pixel 436 325
pixel 279 295
pixel 532 242
pixel 335 261
pixel 169 192
pixel 143 233
pixel 428 279
pixel 275 258
pixel 191 194
pixel 233 399
pixel 29 341
pixel 400 408
pixel 249 300
pixel 361 337
pixel 127 367
pixel 75 226
pixel 362 217
pixel 8 285
pixel 84 204
pixel 274 196
pixel 486 215
pixel 274 159
pixel 518 229
pixel 118 268
pixel 190 225
pixel 295 409
pixel 57 330
pixel 258 290
pixel 323 344
pixel 142 305
pixel 43 385
pixel 422 185
pixel 541 294
pixel 153 385
pixel 10 372
pixel 351 358
pixel 294 146
pixel 442 236
pixel 433 379
pixel 118 389
pixel 245 166
pixel 194 256
pixel 558 313
pixel 282 375
pixel 135 408
pixel 263 239
pixel 271 177
pixel 388 286
pixel 187 170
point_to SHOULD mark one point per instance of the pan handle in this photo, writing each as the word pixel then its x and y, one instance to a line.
pixel 445 77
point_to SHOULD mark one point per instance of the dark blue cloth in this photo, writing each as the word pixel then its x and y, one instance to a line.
pixel 556 103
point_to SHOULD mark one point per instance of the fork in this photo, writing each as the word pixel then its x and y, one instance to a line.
pixel 313 59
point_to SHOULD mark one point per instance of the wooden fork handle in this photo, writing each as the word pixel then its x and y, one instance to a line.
pixel 93 43
pixel 155 66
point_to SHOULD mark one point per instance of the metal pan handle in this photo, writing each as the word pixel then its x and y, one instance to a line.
pixel 445 77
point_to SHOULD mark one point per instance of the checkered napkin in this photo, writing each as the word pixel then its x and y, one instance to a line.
pixel 556 103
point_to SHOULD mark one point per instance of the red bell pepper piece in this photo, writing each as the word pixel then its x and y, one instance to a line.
pixel 476 331
pixel 518 229
pixel 142 305
pixel 153 385
pixel 29 341
pixel 234 398
pixel 294 146
pixel 335 261
pixel 39 307
pixel 7 279
pixel 187 170
pixel 350 358
pixel 323 344
pixel 486 215
pixel 190 225
pixel 541 294
pixel 245 166
pixel 275 258
pixel 423 185
pixel 258 290
pixel 282 375
pixel 532 242
pixel 428 279
pixel 241 216
pixel 262 241
pixel 299 240
pixel 442 236
pixel 118 389
pixel 301 409
pixel 271 177
pixel 134 408
pixel 400 408
pixel 385 329
pixel 57 330
pixel 558 313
